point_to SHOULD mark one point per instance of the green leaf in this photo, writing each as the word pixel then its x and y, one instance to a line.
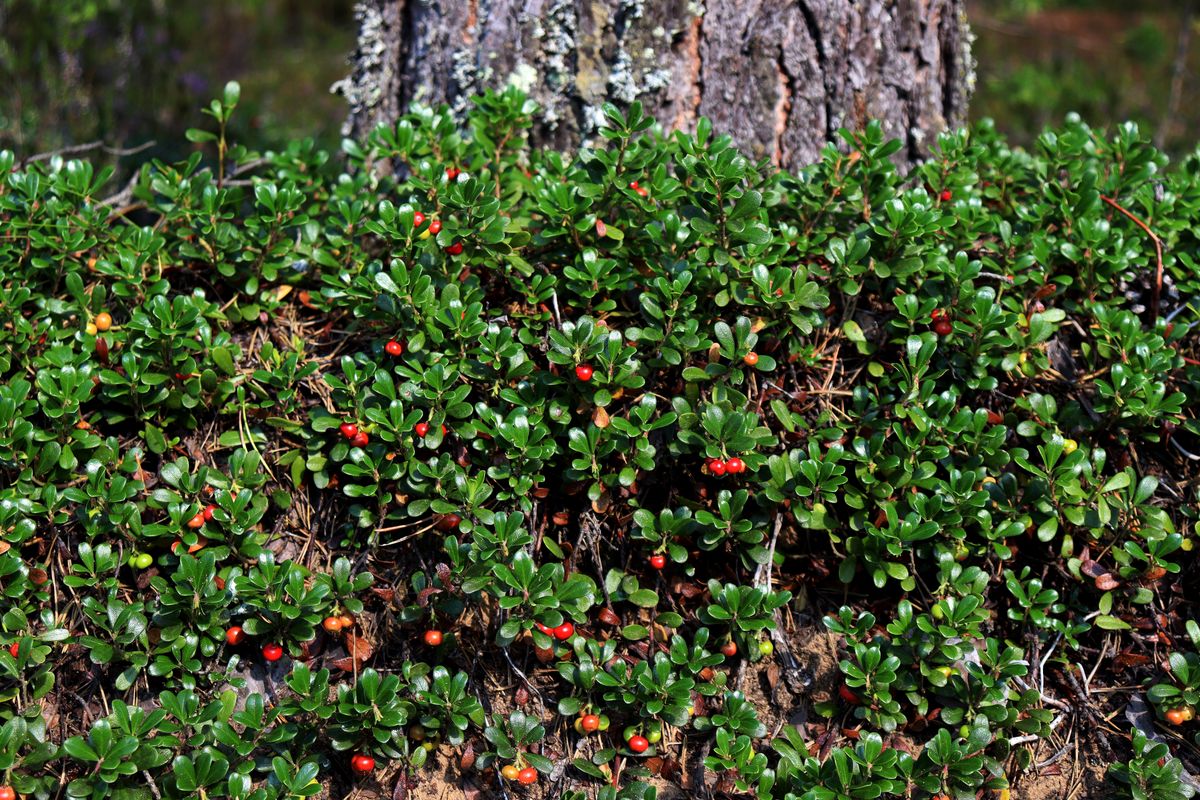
pixel 1110 623
pixel 644 598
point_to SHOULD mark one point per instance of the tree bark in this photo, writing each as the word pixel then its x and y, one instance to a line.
pixel 779 76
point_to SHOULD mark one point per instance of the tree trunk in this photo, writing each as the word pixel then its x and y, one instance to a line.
pixel 780 76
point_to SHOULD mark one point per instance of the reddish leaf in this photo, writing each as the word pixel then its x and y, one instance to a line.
pixel 400 790
pixel 1127 659
pixel 607 617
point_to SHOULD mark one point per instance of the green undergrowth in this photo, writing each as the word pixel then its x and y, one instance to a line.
pixel 445 458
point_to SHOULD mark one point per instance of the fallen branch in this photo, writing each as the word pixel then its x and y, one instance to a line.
pixel 77 149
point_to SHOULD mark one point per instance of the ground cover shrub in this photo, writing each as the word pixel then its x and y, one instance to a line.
pixel 447 460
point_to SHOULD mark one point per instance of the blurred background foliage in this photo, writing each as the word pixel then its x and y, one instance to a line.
pixel 126 72
pixel 129 72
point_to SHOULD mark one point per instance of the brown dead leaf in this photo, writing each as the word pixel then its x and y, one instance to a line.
pixel 400 790
pixel 358 647
pixel 773 675
pixel 1093 569
pixel 600 418
pixel 671 769
pixel 688 590
pixel 467 759
pixel 1127 659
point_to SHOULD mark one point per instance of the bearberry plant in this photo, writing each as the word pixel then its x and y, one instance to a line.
pixel 582 475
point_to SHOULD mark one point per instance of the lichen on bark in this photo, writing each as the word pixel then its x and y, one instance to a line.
pixel 780 76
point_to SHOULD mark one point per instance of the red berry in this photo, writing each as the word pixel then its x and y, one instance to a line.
pixel 235 636
pixel 7 793
pixel 360 440
pixel 943 327
pixel 196 521
pixel 658 561
pixel 527 776
pixel 422 428
pixel 418 219
pixel 393 348
pixel 455 249
pixel 433 638
pixel 946 195
pixel 735 466
pixel 639 744
pixel 729 649
pixel 452 172
pixel 208 513
pixel 349 430
pixel 564 631
pixel 14 648
pixel 546 629
pixel 272 652
pixel 362 764
pixel 444 431
pixel 633 184
pixel 717 467
pixel 750 359
pixel 584 372
pixel 590 722
pixel 936 314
